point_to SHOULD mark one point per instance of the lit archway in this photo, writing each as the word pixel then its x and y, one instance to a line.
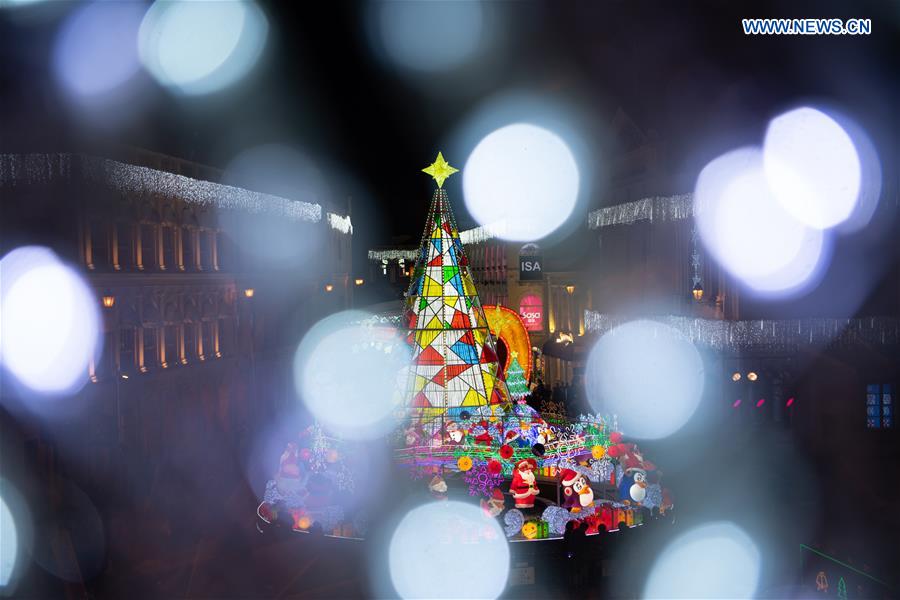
pixel 507 326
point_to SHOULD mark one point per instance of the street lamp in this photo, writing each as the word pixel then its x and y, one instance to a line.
pixel 248 293
pixel 359 281
pixel 571 289
pixel 752 376
pixel 329 287
pixel 697 292
pixel 108 301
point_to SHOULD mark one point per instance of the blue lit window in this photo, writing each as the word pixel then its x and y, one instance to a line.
pixel 879 406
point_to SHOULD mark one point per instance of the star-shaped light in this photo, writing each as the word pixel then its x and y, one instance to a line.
pixel 440 170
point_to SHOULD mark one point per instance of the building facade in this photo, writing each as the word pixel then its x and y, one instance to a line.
pixel 198 330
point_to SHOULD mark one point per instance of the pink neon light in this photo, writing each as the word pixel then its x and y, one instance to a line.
pixel 736 403
pixel 761 402
pixel 790 401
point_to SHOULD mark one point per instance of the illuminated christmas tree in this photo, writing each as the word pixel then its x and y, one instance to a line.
pixel 454 370
pixel 515 379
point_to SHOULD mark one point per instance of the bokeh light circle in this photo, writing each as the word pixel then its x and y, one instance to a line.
pixel 647 374
pixel 95 50
pixel 717 560
pixel 432 538
pixel 201 47
pixel 749 232
pixel 50 322
pixel 522 181
pixel 812 167
pixel 16 533
pixel 405 32
pixel 348 374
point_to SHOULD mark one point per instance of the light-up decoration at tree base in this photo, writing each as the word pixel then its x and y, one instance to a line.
pixel 463 433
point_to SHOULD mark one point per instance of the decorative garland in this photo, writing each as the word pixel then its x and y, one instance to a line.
pixel 768 335
pixel 29 169
pixel 659 208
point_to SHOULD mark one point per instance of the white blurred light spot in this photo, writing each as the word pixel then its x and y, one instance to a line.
pixel 50 321
pixel 201 47
pixel 521 180
pixel 96 50
pixel 347 374
pixel 812 167
pixel 649 375
pixel 430 542
pixel 748 231
pixel 717 560
pixel 406 32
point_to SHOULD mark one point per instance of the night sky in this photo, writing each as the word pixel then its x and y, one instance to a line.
pixel 683 71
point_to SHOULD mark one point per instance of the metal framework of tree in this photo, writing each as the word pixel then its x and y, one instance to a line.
pixel 454 365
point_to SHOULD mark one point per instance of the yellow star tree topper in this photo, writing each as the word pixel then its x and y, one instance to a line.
pixel 440 170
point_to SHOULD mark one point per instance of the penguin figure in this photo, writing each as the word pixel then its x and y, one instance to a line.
pixel 633 486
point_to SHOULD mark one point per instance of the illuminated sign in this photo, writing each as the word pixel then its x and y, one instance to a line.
pixel 531 309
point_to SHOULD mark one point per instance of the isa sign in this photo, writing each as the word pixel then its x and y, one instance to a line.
pixel 531 309
pixel 530 268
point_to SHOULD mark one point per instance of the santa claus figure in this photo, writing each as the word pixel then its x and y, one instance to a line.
pixel 494 505
pixel 482 434
pixel 524 487
pixel 289 478
pixel 576 490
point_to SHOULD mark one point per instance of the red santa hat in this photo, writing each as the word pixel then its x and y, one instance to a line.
pixel 532 464
pixel 567 477
pixel 497 494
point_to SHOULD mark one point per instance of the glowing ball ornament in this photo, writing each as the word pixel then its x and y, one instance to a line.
pixel 201 47
pixel 717 560
pixel 464 463
pixel 649 375
pixel 521 181
pixel 812 167
pixel 50 322
pixel 506 451
pixel 598 452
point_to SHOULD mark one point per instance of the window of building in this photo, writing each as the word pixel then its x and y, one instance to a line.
pixel 879 406
pixel 99 244
pixel 187 244
pixel 170 346
pixel 105 366
pixel 127 361
pixel 168 247
pixel 208 338
pixel 148 246
pixel 206 262
pixel 190 341
pixel 151 348
pixel 226 337
pixel 124 246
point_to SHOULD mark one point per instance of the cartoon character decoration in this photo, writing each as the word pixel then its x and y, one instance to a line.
pixel 577 491
pixel 289 478
pixel 530 530
pixel 438 487
pixel 413 436
pixel 494 505
pixel 482 434
pixel 638 490
pixel 524 486
pixel 455 434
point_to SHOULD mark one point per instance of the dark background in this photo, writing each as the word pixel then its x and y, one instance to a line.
pixel 685 71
